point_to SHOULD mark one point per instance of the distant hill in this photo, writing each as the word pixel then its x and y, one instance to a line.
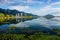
pixel 14 12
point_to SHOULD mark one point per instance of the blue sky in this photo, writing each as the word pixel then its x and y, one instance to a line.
pixel 38 7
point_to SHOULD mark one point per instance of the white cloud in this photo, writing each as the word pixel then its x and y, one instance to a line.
pixel 20 8
pixel 48 1
pixel 31 2
pixel 3 1
pixel 48 9
pixel 20 2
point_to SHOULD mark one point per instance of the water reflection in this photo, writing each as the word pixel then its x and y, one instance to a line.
pixel 35 24
pixel 40 21
pixel 14 21
pixel 21 22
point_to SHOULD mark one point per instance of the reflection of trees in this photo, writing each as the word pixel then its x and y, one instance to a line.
pixel 8 18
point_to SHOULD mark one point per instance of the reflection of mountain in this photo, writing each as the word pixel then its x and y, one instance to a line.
pixel 31 26
pixel 55 27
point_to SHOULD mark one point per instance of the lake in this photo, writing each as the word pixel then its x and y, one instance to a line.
pixel 41 21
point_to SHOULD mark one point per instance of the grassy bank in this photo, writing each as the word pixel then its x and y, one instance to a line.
pixel 35 36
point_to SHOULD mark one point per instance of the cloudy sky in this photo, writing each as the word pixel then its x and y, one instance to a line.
pixel 38 7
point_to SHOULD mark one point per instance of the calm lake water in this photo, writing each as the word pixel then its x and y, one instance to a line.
pixel 49 23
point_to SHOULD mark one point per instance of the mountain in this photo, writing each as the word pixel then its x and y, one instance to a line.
pixel 14 12
pixel 49 16
pixel 15 16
